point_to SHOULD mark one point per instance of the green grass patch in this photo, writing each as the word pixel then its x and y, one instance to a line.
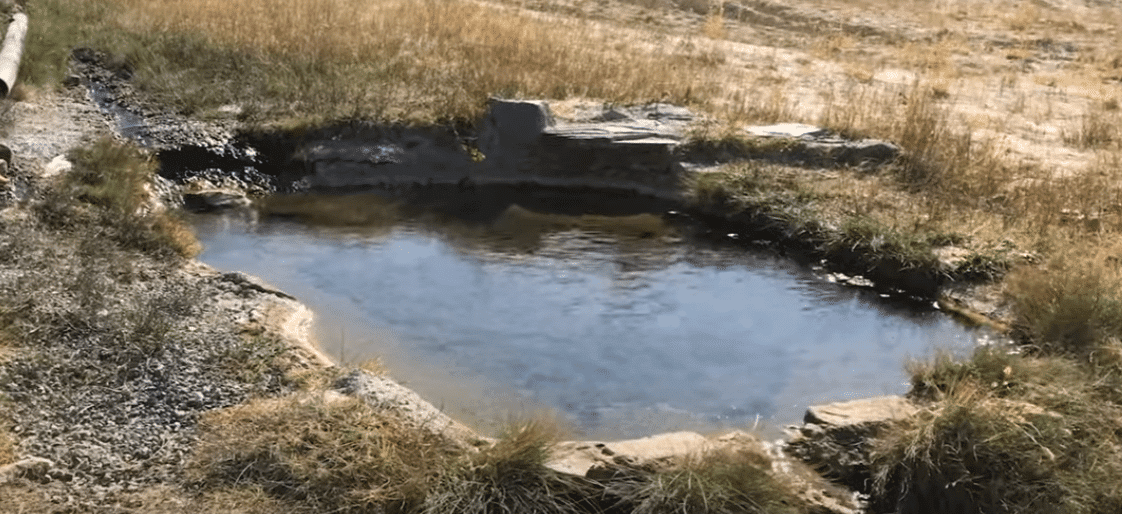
pixel 913 249
pixel 109 191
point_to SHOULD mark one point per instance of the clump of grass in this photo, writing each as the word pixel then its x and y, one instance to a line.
pixel 936 158
pixel 1070 305
pixel 913 249
pixel 111 175
pixel 715 22
pixel 511 477
pixel 7 444
pixel 1096 130
pixel 336 455
pixel 109 189
pixel 724 480
pixel 747 186
pixel 1005 433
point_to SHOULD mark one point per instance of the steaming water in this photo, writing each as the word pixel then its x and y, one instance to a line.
pixel 623 332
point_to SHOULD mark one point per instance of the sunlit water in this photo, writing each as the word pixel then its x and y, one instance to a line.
pixel 622 333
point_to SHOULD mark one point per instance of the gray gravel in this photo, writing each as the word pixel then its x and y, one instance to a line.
pixel 118 354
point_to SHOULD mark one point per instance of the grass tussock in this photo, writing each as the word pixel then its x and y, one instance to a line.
pixel 750 185
pixel 322 454
pixel 511 477
pixel 7 444
pixel 1071 305
pixel 110 189
pixel 939 157
pixel 724 480
pixel 1008 433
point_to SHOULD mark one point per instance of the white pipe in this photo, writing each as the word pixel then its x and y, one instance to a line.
pixel 11 52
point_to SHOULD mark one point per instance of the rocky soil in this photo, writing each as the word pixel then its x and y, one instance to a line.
pixel 96 411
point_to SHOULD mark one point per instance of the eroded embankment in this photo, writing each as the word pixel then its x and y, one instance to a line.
pixel 605 161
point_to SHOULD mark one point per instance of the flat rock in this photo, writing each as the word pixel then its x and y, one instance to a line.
pixel 796 130
pixel 860 412
pixel 577 457
pixel 630 132
pixel 835 439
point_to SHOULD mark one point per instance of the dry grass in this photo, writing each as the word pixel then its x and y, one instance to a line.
pixel 724 480
pixel 511 477
pixel 1007 434
pixel 1071 305
pixel 318 453
pixel 416 61
pixel 324 454
pixel 7 444
pixel 1006 153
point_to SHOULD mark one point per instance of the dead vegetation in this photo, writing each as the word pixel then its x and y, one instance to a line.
pixel 723 480
pixel 326 455
pixel 111 358
pixel 1005 432
pixel 391 61
pixel 317 453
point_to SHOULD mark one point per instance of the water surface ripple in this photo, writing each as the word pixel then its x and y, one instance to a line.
pixel 623 333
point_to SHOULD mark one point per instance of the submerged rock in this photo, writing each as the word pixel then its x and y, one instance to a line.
pixel 215 200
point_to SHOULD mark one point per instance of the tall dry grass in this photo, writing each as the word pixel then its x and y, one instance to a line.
pixel 1009 433
pixel 320 453
pixel 396 60
pixel 1073 304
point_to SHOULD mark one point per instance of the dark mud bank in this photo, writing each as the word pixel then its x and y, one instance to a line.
pixel 445 170
pixel 441 170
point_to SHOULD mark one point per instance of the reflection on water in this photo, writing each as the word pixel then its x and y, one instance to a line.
pixel 622 325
